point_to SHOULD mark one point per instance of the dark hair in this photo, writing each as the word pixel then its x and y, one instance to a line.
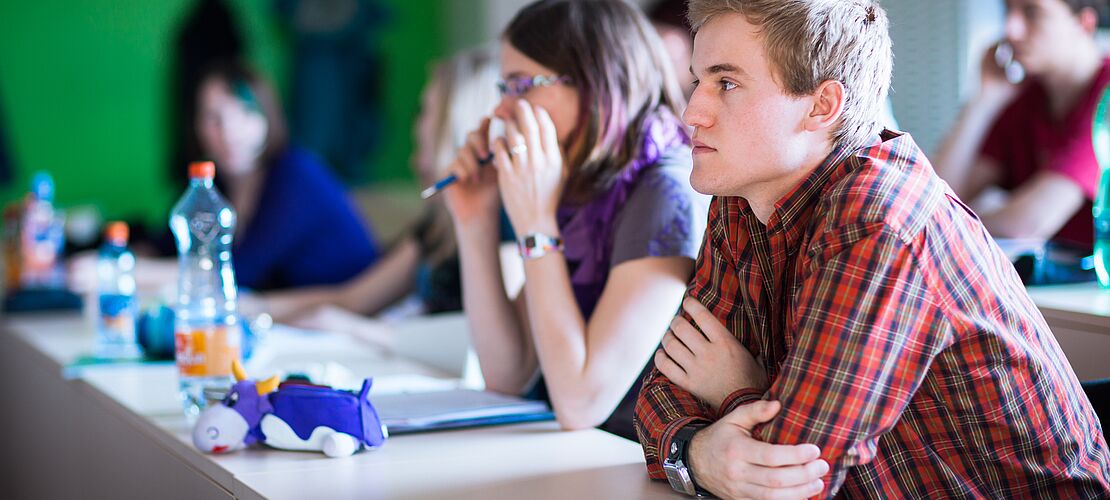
pixel 1101 8
pixel 255 91
pixel 617 62
pixel 672 12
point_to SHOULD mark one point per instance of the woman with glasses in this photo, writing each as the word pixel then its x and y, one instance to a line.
pixel 593 172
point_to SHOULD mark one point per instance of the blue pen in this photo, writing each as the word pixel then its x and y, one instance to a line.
pixel 442 184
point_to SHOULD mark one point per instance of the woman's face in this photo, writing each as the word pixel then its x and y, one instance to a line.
pixel 560 100
pixel 231 133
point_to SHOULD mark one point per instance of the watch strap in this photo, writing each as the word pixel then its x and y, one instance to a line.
pixel 536 245
pixel 678 461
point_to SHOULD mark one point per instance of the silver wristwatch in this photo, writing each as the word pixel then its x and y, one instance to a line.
pixel 677 465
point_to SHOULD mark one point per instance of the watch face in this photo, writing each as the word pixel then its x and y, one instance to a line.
pixel 679 479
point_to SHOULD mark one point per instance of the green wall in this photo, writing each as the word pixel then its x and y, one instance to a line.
pixel 84 89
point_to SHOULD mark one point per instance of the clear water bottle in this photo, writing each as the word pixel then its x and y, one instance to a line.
pixel 118 308
pixel 1100 137
pixel 207 336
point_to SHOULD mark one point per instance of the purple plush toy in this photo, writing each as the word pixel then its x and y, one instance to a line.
pixel 293 417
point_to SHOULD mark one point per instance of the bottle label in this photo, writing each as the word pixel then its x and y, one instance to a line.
pixel 203 226
pixel 206 352
pixel 117 315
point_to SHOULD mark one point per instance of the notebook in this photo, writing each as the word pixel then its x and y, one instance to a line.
pixel 453 409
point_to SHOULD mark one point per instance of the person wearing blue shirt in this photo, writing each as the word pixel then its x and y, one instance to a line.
pixel 296 226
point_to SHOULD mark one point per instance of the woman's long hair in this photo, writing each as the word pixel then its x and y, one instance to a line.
pixel 618 64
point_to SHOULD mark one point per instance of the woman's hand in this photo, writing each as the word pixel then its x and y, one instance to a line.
pixel 530 171
pixel 474 194
pixel 711 364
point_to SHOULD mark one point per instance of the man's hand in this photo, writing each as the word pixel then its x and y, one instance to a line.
pixel 711 363
pixel 726 460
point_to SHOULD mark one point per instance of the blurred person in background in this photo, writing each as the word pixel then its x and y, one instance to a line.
pixel 1033 139
pixel 424 262
pixel 296 226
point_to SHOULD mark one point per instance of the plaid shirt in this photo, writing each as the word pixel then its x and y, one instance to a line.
pixel 897 336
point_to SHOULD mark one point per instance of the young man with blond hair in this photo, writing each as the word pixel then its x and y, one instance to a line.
pixel 851 327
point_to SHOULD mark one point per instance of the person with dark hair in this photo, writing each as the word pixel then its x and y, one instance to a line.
pixel 296 226
pixel 1033 139
pixel 592 171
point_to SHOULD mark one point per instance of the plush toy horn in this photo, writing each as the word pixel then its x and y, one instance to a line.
pixel 267 386
pixel 237 369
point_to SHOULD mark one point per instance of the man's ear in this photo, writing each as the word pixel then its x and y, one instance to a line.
pixel 1088 20
pixel 828 105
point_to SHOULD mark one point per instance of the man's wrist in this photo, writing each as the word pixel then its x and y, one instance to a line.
pixel 677 465
pixel 697 441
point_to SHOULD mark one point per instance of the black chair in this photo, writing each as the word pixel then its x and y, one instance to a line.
pixel 1098 391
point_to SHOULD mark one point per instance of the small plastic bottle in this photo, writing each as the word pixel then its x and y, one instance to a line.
pixel 118 308
pixel 207 335
pixel 42 236
pixel 1100 137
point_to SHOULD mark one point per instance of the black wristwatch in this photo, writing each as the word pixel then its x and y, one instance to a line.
pixel 677 464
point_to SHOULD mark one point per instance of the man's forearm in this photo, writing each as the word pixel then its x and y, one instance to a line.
pixel 960 148
pixel 662 408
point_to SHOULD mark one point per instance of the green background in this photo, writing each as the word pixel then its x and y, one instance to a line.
pixel 84 92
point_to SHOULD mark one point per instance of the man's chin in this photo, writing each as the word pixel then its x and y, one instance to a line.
pixel 702 184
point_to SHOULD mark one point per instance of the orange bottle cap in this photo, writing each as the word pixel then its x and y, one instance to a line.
pixel 117 233
pixel 202 170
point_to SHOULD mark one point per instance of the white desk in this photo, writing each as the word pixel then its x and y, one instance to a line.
pixel 1079 316
pixel 118 432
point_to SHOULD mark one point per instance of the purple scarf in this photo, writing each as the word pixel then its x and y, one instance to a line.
pixel 587 229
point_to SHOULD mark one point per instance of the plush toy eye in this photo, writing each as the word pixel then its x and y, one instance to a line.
pixel 213 433
pixel 232 399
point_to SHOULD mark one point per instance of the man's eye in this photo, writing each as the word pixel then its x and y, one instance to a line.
pixel 727 85
pixel 694 84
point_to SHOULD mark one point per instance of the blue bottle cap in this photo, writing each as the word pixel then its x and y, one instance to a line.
pixel 42 186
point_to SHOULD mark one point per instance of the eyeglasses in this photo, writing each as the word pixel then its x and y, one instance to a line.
pixel 519 85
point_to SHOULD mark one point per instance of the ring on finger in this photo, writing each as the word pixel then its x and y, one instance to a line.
pixel 519 149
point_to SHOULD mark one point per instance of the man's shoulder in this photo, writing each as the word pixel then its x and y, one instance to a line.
pixel 889 182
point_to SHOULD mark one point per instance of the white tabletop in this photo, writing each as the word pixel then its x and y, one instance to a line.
pixel 534 460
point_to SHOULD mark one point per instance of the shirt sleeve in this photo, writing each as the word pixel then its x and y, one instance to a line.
pixel 663 217
pixel 866 332
pixel 663 407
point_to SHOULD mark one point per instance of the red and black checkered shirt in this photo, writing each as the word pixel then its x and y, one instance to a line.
pixel 897 336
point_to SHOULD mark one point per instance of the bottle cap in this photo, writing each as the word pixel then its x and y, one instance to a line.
pixel 202 170
pixel 42 186
pixel 117 233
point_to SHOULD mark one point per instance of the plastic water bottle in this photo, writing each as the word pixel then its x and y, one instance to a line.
pixel 118 309
pixel 42 236
pixel 1100 136
pixel 207 336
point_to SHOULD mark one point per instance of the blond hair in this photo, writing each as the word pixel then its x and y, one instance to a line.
pixel 811 41
pixel 465 89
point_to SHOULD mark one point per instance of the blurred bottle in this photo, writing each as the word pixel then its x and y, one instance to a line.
pixel 207 336
pixel 1100 136
pixel 42 236
pixel 116 321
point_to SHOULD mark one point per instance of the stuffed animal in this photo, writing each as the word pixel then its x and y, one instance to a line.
pixel 295 416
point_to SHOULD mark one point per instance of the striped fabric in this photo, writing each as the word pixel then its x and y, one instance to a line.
pixel 897 336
